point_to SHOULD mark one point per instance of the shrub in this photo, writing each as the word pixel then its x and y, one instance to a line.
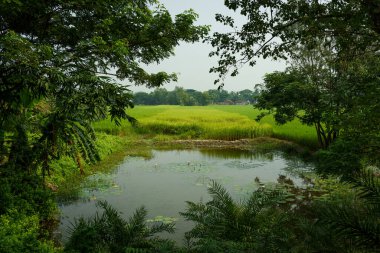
pixel 20 233
pixel 109 232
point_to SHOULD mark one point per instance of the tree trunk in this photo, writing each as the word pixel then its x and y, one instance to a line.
pixel 325 138
pixel 79 162
pixel 319 136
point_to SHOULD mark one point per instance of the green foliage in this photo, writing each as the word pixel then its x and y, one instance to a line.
pixel 256 224
pixel 67 65
pixel 343 159
pixel 355 219
pixel 274 28
pixel 20 233
pixel 333 79
pixel 109 232
pixel 289 95
pixel 190 97
pixel 26 193
pixel 57 73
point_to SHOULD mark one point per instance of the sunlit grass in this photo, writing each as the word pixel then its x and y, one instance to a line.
pixel 203 123
pixel 292 131
pixel 224 122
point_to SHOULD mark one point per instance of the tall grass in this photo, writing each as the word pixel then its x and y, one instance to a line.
pixel 293 131
pixel 224 122
pixel 139 112
pixel 203 123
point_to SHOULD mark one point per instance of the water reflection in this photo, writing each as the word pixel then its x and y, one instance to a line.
pixel 170 177
pixel 238 154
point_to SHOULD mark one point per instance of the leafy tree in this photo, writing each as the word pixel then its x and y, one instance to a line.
pixel 309 90
pixel 247 95
pixel 274 28
pixel 19 233
pixel 218 96
pixel 63 53
pixel 142 98
pixel 159 96
pixel 59 66
pixel 333 48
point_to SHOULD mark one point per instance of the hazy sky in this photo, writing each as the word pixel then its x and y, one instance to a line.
pixel 191 61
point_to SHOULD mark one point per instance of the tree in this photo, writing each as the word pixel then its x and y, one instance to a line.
pixel 59 62
pixel 273 28
pixel 247 95
pixel 159 96
pixel 142 98
pixel 341 36
pixel 218 96
pixel 308 90
pixel 59 66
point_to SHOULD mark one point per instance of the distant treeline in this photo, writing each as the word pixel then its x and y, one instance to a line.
pixel 181 96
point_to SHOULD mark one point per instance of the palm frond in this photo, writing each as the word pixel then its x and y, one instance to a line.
pixel 369 186
pixel 111 232
pixel 136 224
pixel 356 222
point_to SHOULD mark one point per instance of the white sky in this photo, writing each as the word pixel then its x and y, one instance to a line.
pixel 191 61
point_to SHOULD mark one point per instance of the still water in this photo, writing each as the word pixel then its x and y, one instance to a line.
pixel 165 181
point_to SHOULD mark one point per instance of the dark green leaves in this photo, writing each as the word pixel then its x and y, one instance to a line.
pixel 111 233
pixel 273 28
pixel 64 53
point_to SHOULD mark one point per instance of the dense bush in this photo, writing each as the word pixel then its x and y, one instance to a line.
pixel 21 233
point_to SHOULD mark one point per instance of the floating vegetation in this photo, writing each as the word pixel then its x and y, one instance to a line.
pixel 162 219
pixel 244 165
pixel 99 184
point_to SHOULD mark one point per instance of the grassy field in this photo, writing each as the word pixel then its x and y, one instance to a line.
pixel 222 122
pixel 292 131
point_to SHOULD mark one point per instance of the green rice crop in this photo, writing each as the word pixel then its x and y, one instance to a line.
pixel 224 122
pixel 293 131
pixel 204 123
pixel 139 112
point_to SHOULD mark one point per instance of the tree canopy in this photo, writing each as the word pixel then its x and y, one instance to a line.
pixel 60 62
pixel 189 97
pixel 273 28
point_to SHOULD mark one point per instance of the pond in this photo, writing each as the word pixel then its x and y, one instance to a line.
pixel 165 181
